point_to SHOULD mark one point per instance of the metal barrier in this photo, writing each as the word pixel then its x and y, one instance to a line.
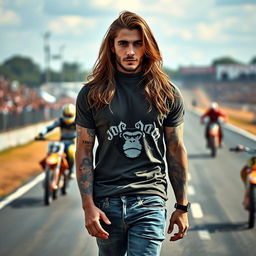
pixel 10 121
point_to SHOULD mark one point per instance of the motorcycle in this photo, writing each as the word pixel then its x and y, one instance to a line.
pixel 213 139
pixel 56 167
pixel 248 174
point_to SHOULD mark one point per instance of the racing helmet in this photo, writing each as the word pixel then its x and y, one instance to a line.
pixel 214 105
pixel 68 113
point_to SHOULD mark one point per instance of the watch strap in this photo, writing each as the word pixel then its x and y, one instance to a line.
pixel 182 207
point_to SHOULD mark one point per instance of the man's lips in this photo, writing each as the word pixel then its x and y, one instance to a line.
pixel 130 60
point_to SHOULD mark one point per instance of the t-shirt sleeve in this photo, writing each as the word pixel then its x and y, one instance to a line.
pixel 84 116
pixel 175 116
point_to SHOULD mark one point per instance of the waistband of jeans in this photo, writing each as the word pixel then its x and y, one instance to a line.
pixel 120 198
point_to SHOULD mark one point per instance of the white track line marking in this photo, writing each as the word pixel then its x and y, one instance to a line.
pixel 191 190
pixel 22 190
pixel 196 210
pixel 204 235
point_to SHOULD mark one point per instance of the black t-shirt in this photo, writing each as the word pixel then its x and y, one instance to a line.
pixel 130 155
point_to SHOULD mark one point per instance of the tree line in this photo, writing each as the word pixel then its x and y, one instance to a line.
pixel 26 71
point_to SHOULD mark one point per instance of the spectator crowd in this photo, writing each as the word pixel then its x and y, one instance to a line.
pixel 19 101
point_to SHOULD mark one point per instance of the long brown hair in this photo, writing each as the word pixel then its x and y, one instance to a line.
pixel 157 86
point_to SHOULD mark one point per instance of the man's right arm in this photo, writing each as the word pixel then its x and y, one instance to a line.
pixel 84 171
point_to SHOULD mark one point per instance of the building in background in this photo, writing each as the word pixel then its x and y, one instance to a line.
pixel 231 72
pixel 218 73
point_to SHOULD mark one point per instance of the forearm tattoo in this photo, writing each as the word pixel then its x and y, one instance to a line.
pixel 78 130
pixel 86 142
pixel 85 177
pixel 91 132
pixel 177 162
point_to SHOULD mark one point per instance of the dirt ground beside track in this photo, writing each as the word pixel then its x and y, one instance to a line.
pixel 19 164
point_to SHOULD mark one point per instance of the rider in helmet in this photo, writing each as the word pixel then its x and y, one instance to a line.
pixel 213 113
pixel 251 165
pixel 68 133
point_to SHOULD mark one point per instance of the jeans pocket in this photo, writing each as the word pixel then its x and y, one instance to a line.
pixel 103 203
pixel 153 202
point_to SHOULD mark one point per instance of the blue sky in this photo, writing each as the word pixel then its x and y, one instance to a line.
pixel 189 32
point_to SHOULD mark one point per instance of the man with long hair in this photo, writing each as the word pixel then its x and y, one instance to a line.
pixel 135 112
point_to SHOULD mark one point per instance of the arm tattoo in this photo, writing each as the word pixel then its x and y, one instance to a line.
pixel 85 179
pixel 91 132
pixel 177 162
pixel 86 142
pixel 78 131
pixel 177 176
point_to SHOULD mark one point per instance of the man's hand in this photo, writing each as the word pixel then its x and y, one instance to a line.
pixel 93 215
pixel 180 218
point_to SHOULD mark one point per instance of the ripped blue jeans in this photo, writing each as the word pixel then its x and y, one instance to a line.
pixel 137 225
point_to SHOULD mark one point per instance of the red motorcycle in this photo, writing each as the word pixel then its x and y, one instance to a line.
pixel 248 175
pixel 213 138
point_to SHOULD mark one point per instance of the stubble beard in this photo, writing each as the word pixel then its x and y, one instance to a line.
pixel 130 70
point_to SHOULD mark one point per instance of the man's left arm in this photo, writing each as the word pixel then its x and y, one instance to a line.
pixel 176 157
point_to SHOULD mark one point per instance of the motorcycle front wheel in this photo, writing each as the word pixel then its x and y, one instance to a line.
pixel 252 210
pixel 47 187
pixel 213 146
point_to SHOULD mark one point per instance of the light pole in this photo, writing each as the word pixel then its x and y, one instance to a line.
pixel 62 47
pixel 47 54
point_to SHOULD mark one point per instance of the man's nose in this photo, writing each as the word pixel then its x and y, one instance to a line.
pixel 130 51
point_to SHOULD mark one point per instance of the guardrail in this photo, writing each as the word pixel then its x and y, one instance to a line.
pixel 9 121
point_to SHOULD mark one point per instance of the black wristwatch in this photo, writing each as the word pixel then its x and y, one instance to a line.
pixel 182 207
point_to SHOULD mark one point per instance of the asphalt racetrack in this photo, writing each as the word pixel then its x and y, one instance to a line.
pixel 218 222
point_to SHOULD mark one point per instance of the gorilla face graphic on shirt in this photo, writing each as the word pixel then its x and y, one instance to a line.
pixel 131 139
pixel 132 145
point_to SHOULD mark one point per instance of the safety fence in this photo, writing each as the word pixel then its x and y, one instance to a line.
pixel 26 117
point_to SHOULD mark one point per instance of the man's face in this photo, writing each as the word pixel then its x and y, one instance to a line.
pixel 129 50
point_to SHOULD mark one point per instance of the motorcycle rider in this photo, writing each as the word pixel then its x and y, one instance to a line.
pixel 214 113
pixel 68 133
pixel 251 164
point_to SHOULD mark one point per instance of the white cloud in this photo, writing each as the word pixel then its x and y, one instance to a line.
pixel 71 25
pixel 9 17
pixel 209 32
pixel 169 30
pixel 186 31
pixel 197 56
pixel 181 33
pixel 103 3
